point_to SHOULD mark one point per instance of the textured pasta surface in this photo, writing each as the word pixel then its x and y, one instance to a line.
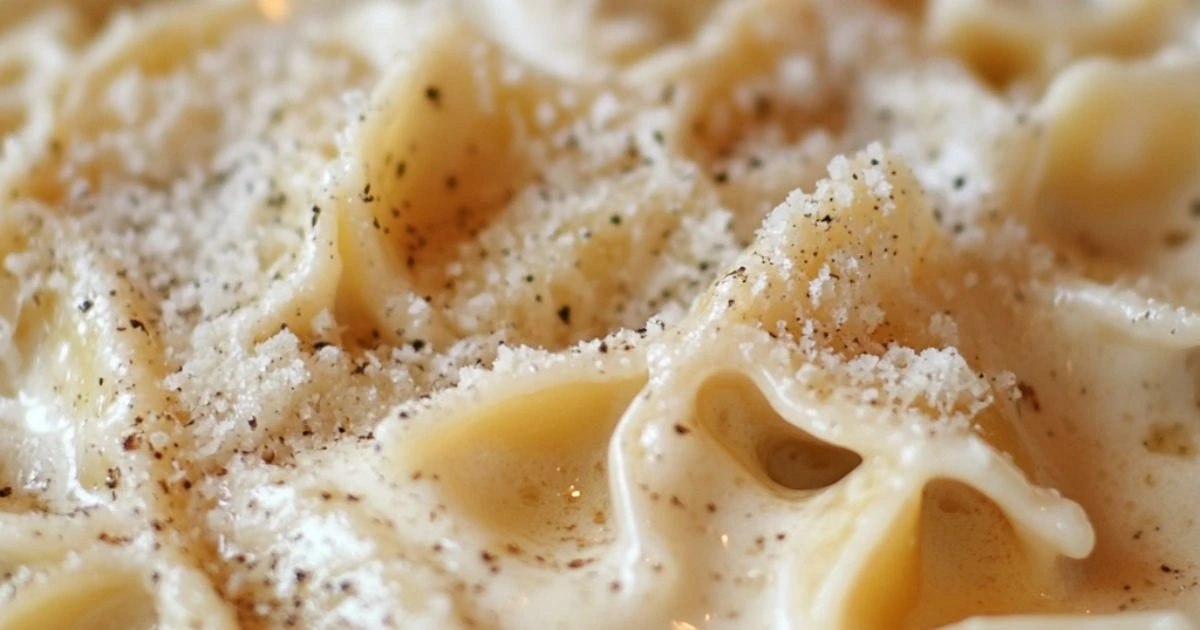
pixel 599 314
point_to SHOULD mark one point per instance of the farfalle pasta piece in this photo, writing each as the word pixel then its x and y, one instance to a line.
pixel 525 313
pixel 432 174
pixel 86 368
pixel 807 481
pixel 104 97
pixel 112 587
pixel 722 393
pixel 844 260
pixel 523 474
pixel 467 158
pixel 1122 153
pixel 743 91
pixel 534 471
pixel 1005 42
pixel 76 367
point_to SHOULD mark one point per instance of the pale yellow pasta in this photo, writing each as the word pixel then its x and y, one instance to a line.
pixel 538 313
pixel 1027 40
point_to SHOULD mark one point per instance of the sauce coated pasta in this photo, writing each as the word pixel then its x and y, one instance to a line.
pixel 602 314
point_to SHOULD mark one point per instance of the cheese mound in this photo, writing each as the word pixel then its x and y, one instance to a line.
pixel 604 314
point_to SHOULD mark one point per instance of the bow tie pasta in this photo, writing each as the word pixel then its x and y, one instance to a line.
pixel 547 314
